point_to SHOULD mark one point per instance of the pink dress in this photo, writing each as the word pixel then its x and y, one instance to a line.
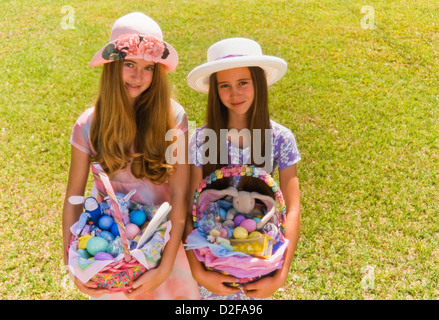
pixel 180 284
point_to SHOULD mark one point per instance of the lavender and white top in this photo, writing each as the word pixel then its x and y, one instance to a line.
pixel 284 149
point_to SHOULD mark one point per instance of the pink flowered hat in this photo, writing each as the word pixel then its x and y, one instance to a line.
pixel 136 35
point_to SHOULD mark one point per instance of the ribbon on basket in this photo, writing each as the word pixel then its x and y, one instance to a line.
pixel 105 189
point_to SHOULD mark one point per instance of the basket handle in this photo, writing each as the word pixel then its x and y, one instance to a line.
pixel 233 171
pixel 105 189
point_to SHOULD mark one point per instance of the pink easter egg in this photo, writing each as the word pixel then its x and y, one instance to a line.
pixel 131 230
pixel 238 219
pixel 223 233
pixel 249 225
pixel 103 256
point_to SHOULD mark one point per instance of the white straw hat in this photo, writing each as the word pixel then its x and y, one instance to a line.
pixel 234 53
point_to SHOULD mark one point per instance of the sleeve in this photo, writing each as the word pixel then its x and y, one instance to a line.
pixel 286 151
pixel 180 116
pixel 195 148
pixel 80 137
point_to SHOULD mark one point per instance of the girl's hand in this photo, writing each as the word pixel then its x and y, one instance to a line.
pixel 147 283
pixel 90 288
pixel 263 288
pixel 214 282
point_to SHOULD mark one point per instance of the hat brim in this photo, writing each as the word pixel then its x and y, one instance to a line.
pixel 170 63
pixel 274 67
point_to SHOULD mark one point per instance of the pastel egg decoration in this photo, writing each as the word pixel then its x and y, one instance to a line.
pixel 115 247
pixel 107 235
pixel 96 244
pixel 238 219
pixel 137 217
pixel 83 253
pixel 105 222
pixel 222 214
pixel 82 241
pixel 103 256
pixel 131 230
pixel 223 233
pixel 114 230
pixel 240 233
pixel 254 234
pixel 249 225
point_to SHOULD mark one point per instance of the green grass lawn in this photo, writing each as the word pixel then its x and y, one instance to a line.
pixel 362 103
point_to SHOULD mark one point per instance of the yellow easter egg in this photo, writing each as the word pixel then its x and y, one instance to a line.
pixel 240 233
pixel 254 234
pixel 214 233
pixel 82 244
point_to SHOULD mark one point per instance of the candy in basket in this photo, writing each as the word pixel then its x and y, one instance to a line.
pixel 238 232
pixel 116 240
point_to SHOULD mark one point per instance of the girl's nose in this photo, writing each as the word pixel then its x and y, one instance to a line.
pixel 137 74
pixel 235 91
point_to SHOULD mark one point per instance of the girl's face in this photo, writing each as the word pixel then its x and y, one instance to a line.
pixel 137 76
pixel 236 90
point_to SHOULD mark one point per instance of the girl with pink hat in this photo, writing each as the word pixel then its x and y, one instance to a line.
pixel 236 78
pixel 125 132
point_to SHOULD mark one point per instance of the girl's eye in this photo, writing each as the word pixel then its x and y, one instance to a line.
pixel 149 68
pixel 243 83
pixel 223 85
pixel 128 64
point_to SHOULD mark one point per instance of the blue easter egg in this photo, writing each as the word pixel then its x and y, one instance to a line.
pixel 105 222
pixel 137 217
pixel 83 253
pixel 115 230
pixel 107 235
pixel 222 213
pixel 96 244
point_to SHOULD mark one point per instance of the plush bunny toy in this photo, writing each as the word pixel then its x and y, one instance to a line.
pixel 244 201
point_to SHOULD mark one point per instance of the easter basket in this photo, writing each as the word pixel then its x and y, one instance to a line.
pixel 248 258
pixel 124 259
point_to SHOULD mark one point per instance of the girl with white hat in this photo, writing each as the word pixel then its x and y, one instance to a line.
pixel 236 78
pixel 125 132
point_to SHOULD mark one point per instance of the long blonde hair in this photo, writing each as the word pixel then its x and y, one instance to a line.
pixel 122 132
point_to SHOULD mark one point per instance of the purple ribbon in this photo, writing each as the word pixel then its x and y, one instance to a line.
pixel 230 56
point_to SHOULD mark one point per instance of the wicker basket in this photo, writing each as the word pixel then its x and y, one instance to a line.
pixel 118 275
pixel 277 219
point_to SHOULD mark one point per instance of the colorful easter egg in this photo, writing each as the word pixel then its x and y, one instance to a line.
pixel 83 253
pixel 131 230
pixel 103 256
pixel 114 230
pixel 249 224
pixel 138 217
pixel 105 222
pixel 222 214
pixel 254 234
pixel 238 219
pixel 107 235
pixel 96 244
pixel 240 233
pixel 82 241
pixel 215 233
pixel 223 233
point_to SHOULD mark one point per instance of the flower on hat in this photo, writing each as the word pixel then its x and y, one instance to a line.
pixel 150 48
pixel 129 44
